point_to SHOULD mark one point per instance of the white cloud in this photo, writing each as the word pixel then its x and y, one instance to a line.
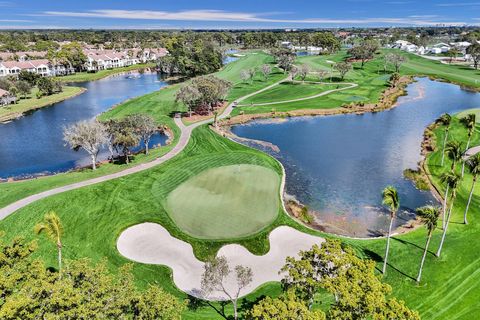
pixel 458 4
pixel 219 15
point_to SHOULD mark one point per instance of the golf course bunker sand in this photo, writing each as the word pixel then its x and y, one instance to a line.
pixel 226 202
pixel 151 243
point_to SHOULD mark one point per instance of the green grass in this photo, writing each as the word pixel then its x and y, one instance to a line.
pixel 469 111
pixel 31 102
pixel 92 76
pixel 289 91
pixel 225 202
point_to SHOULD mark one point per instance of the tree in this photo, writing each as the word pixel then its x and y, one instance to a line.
pixel 266 70
pixel 29 77
pixel 72 54
pixel 429 217
pixel 453 184
pixel 87 135
pixel 303 71
pixel 469 122
pixel 364 52
pixel 53 228
pixel 445 120
pixel 287 306
pixel 394 79
pixel 123 135
pixel 46 86
pixel 474 52
pixel 284 58
pixel 454 152
pixel 358 293
pixel 251 74
pixel 446 178
pixel 321 74
pixel 473 164
pixel 343 68
pixel 146 127
pixel 244 75
pixel 189 96
pixel 391 200
pixel 13 90
pixel 293 72
pixel 24 88
pixel 326 40
pixel 216 274
pixel 453 53
pixel 396 59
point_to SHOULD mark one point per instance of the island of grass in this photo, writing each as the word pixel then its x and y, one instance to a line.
pixel 92 76
pixel 31 102
pixel 226 202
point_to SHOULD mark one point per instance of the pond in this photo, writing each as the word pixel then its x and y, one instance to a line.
pixel 338 165
pixel 33 145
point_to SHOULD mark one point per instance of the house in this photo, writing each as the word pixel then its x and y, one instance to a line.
pixel 444 47
pixel 286 44
pixel 6 98
pixel 41 67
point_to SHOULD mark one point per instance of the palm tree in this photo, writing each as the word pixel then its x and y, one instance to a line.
pixel 453 186
pixel 52 226
pixel 445 120
pixel 446 178
pixel 429 217
pixel 469 122
pixel 454 152
pixel 390 199
pixel 473 164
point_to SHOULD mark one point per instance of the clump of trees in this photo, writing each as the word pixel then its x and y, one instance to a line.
pixel 191 57
pixel 120 135
pixel 31 290
pixel 395 59
pixel 203 95
pixel 23 84
pixel 474 52
pixel 332 267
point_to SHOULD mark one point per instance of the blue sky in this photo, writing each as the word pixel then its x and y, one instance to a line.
pixel 195 14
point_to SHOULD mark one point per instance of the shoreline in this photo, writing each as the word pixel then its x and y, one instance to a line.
pixel 117 72
pixel 14 116
pixel 387 101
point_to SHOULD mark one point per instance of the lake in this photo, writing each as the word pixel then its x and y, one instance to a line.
pixel 339 165
pixel 33 145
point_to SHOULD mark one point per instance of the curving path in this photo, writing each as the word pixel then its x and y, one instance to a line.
pixel 185 133
pixel 350 86
pixel 151 243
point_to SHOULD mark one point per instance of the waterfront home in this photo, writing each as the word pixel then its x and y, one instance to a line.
pixel 41 67
pixel 6 98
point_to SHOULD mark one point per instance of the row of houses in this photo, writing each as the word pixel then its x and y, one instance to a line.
pixel 438 48
pixel 96 60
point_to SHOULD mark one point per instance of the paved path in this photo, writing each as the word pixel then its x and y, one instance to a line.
pixel 472 151
pixel 151 243
pixel 185 133
pixel 350 86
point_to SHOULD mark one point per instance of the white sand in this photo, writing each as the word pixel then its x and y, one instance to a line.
pixel 151 243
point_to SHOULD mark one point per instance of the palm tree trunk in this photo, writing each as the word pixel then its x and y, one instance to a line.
pixel 59 248
pixel 443 149
pixel 463 164
pixel 445 207
pixel 419 277
pixel 146 142
pixel 469 199
pixel 439 251
pixel 388 246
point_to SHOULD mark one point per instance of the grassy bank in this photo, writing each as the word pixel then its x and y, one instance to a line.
pixel 92 76
pixel 31 102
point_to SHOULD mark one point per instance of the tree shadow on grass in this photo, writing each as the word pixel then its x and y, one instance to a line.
pixel 195 303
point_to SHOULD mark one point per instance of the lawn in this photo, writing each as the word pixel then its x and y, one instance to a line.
pixel 92 76
pixel 289 91
pixel 225 202
pixel 31 102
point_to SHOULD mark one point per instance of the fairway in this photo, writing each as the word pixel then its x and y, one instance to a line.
pixel 226 202
pixel 289 91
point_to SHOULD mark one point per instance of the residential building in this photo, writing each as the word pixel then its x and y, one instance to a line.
pixel 6 98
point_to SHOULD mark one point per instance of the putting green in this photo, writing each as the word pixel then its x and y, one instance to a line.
pixel 225 202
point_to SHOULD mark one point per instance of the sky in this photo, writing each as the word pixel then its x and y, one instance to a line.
pixel 236 14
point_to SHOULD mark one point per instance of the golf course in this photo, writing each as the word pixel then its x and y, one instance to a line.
pixel 215 193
